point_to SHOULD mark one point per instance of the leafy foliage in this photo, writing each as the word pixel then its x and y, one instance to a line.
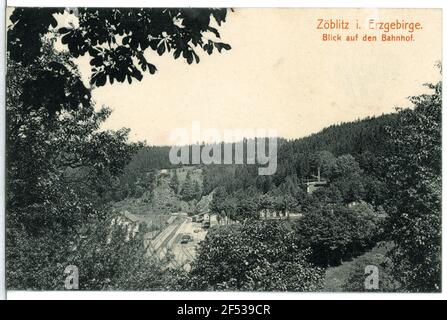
pixel 118 40
pixel 414 179
pixel 111 260
pixel 59 167
pixel 261 256
pixel 335 232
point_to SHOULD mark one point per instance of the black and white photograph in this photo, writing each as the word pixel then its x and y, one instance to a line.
pixel 223 149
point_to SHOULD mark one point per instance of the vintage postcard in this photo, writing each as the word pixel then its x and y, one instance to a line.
pixel 223 149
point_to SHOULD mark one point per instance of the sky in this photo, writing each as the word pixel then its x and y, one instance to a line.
pixel 279 75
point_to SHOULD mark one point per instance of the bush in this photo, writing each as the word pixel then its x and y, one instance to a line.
pixel 260 255
pixel 336 232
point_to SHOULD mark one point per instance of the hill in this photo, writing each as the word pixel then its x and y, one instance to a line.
pixel 161 197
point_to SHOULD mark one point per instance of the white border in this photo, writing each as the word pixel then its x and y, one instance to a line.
pixel 3 153
pixel 192 295
pixel 231 3
pixel 92 295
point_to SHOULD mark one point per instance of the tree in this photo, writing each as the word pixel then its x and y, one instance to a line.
pixel 246 207
pixel 375 189
pixel 187 192
pixel 346 175
pixel 344 166
pixel 328 195
pixel 117 40
pixel 174 182
pixel 262 255
pixel 218 198
pixel 103 253
pixel 335 232
pixel 414 203
pixel 59 168
pixel 324 161
pixel 197 191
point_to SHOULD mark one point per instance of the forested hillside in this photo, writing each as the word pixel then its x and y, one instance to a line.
pixel 364 139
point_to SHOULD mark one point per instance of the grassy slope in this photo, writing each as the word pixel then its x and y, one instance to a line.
pixel 336 277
